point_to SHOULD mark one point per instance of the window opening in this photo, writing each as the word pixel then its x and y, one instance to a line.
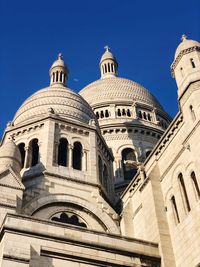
pixel 68 218
pixel 21 147
pixel 62 152
pixel 129 163
pixel 77 156
pixel 192 63
pixel 34 152
pixel 106 113
pixel 195 183
pixel 173 200
pixel 180 177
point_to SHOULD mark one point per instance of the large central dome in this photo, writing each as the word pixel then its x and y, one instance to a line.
pixel 56 99
pixel 118 89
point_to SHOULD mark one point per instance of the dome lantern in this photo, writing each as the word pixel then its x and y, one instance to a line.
pixel 108 64
pixel 58 72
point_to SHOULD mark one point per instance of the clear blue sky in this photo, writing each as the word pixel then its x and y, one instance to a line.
pixel 143 35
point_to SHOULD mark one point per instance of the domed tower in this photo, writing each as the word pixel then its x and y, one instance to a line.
pixel 186 70
pixel 66 164
pixel 186 66
pixel 130 117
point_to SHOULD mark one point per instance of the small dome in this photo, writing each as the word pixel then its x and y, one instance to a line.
pixel 107 55
pixel 59 62
pixel 116 89
pixel 185 44
pixel 56 99
pixel 10 155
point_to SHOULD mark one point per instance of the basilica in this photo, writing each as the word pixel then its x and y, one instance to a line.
pixel 103 177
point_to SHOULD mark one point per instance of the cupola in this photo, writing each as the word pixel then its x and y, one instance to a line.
pixel 108 64
pixel 186 66
pixel 58 72
pixel 10 156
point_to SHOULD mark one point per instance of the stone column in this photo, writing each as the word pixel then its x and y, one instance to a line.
pixel 134 111
pixel 27 150
pixel 55 158
pixel 84 160
pixel 70 163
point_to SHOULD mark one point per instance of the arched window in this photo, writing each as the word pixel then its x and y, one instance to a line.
pixel 68 218
pixel 184 192
pixel 77 156
pixel 149 117
pixel 192 63
pixel 108 67
pixel 102 114
pixel 34 148
pixel 119 113
pixel 105 68
pixel 140 114
pixel 129 163
pixel 123 112
pixel 192 113
pixel 62 152
pixel 128 112
pixel 144 115
pixel 100 165
pixel 106 113
pixel 97 115
pixel 175 210
pixel 105 177
pixel 112 67
pixel 195 184
pixel 56 76
pixel 148 153
pixel 21 147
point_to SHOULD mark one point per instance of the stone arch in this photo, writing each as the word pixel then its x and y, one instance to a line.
pixel 37 203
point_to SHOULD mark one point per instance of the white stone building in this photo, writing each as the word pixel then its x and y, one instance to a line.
pixel 85 181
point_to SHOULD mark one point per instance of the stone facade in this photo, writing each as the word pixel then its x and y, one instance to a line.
pixel 65 163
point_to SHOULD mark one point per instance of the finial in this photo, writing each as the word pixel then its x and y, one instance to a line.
pixel 184 37
pixel 107 48
pixel 60 56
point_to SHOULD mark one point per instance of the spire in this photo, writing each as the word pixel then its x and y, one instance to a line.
pixel 108 64
pixel 58 72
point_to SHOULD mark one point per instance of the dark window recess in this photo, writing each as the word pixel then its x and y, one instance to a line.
pixel 196 186
pixel 69 219
pixel 34 152
pixel 97 115
pixel 102 114
pixel 129 163
pixel 106 113
pixel 123 112
pixel 21 147
pixel 173 200
pixel 62 152
pixel 128 113
pixel 192 63
pixel 180 177
pixel 119 112
pixel 100 170
pixel 140 114
pixel 105 177
pixel 148 153
pixel 77 156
